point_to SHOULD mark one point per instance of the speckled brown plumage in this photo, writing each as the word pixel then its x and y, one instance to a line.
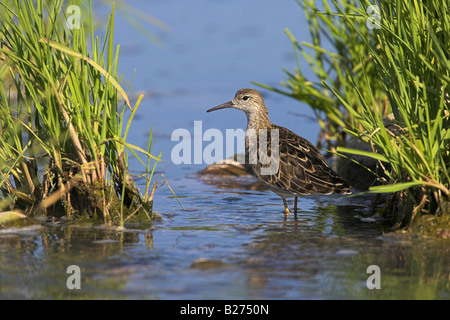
pixel 301 169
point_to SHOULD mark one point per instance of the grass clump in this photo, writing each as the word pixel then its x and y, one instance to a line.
pixel 383 77
pixel 63 134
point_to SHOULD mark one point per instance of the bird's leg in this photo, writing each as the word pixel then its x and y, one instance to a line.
pixel 295 208
pixel 286 209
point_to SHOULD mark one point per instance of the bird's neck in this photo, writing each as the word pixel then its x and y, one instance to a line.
pixel 258 120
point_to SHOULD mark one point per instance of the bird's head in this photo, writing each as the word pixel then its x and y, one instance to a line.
pixel 248 100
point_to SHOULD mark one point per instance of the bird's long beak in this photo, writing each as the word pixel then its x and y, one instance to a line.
pixel 228 104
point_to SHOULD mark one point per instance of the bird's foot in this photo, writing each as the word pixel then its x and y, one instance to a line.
pixel 286 213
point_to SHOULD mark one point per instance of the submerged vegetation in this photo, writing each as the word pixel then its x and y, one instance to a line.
pixel 383 77
pixel 63 122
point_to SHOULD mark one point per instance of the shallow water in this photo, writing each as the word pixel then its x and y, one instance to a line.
pixel 230 241
pixel 226 244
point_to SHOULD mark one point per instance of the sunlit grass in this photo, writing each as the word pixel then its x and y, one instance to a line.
pixel 399 67
pixel 63 142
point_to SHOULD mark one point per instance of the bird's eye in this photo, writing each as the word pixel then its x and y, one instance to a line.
pixel 245 98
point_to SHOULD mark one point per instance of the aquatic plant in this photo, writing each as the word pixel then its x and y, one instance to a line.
pixel 63 127
pixel 383 75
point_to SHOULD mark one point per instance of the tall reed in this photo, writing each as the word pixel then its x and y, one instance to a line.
pixel 386 58
pixel 62 116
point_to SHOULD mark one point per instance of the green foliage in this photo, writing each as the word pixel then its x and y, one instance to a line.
pixel 346 57
pixel 62 112
pixel 399 67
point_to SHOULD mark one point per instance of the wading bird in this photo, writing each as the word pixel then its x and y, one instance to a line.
pixel 301 170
